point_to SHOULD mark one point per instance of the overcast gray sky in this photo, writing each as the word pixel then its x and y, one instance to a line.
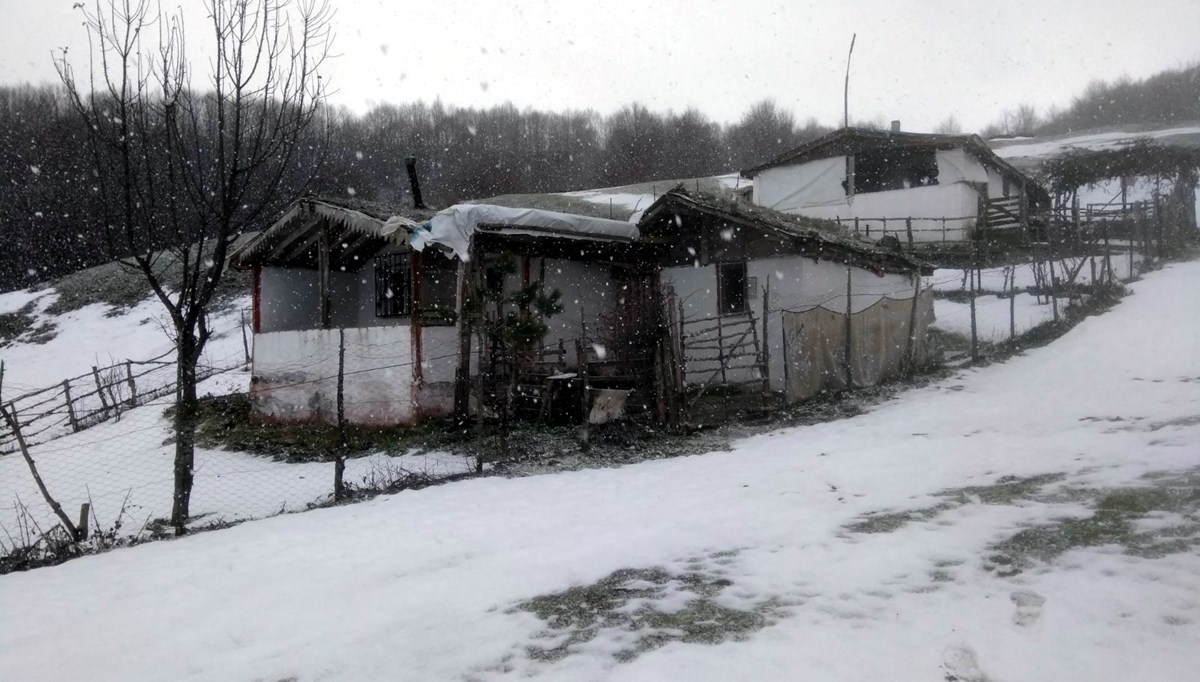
pixel 915 61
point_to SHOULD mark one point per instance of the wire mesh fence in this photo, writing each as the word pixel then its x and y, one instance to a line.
pixel 117 479
pixel 103 443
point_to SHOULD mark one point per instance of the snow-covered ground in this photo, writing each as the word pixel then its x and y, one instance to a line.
pixel 992 313
pixel 127 465
pixel 98 335
pixel 1029 153
pixel 1053 146
pixel 992 320
pixel 764 568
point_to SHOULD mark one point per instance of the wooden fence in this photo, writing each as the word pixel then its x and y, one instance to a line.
pixel 89 399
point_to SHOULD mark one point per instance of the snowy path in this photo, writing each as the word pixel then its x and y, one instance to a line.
pixel 421 585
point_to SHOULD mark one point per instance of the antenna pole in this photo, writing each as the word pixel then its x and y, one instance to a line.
pixel 846 92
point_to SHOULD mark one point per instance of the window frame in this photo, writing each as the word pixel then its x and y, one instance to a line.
pixel 393 271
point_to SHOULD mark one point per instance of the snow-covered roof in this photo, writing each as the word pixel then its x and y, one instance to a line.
pixel 358 230
pixel 821 238
pixel 454 228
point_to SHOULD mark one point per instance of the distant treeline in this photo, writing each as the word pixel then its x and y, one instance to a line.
pixel 467 153
pixel 1170 96
pixel 463 153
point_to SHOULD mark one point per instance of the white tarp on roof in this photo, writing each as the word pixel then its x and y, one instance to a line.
pixel 454 226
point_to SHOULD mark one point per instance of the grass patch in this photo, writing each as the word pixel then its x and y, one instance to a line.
pixel 16 323
pixel 1115 521
pixel 1006 490
pixel 227 422
pixel 643 609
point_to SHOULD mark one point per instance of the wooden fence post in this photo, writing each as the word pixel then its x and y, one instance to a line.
pixel 70 406
pixel 1050 265
pixel 766 343
pixel 721 349
pixel 10 416
pixel 100 388
pixel 584 403
pixel 974 329
pixel 339 462
pixel 849 361
pixel 81 530
pixel 910 350
pixel 681 370
pixel 1129 251
pixel 908 229
pixel 1107 254
pixel 132 385
pixel 245 341
pixel 1012 303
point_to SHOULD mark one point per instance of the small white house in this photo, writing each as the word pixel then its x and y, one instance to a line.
pixel 379 290
pixel 920 188
pixel 790 304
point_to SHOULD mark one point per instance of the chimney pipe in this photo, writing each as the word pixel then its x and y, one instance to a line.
pixel 410 164
pixel 896 126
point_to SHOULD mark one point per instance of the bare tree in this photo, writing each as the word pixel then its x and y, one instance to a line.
pixel 949 126
pixel 181 172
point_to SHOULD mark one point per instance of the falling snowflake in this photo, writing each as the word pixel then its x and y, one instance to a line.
pixel 35 170
pixel 350 191
pixel 600 351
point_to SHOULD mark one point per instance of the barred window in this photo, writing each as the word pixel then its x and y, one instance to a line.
pixel 393 285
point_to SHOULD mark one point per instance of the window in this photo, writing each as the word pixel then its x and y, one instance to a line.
pixel 880 170
pixel 439 288
pixel 392 285
pixel 731 288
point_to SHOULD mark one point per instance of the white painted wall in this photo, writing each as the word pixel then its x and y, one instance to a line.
pixel 995 184
pixel 957 203
pixel 796 283
pixel 786 188
pixel 815 189
pixel 956 165
pixel 295 375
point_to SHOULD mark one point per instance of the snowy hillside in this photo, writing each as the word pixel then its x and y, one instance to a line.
pixel 1029 153
pixel 1030 520
pixel 100 334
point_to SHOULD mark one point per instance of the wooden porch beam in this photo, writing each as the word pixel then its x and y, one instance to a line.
pixel 285 245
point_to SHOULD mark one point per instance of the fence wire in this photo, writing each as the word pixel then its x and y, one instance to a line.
pixel 116 452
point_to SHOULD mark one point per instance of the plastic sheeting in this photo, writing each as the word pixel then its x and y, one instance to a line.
pixel 815 345
pixel 454 227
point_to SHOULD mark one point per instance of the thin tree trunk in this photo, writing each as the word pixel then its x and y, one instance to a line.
pixel 187 356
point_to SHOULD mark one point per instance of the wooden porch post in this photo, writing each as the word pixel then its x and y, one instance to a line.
pixel 462 374
pixel 323 277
